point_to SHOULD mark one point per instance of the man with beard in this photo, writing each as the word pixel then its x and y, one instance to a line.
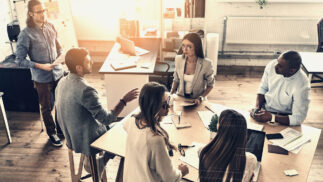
pixel 39 41
pixel 79 111
pixel 283 95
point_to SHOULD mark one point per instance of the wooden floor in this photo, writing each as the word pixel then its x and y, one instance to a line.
pixel 30 157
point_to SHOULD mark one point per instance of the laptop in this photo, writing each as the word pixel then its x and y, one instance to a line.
pixel 255 145
pixel 128 46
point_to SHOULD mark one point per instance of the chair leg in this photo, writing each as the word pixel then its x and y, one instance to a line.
pixel 104 173
pixel 75 176
pixel 104 176
pixel 5 120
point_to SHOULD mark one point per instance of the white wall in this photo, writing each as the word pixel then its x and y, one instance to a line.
pixel 99 19
pixel 216 10
pixel 62 20
pixel 5 18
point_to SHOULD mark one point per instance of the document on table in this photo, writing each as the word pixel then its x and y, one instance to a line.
pixel 186 103
pixel 192 155
pixel 217 109
pixel 60 59
pixel 205 117
pixel 168 119
pixel 293 140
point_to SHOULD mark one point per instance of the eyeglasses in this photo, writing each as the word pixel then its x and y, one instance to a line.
pixel 165 105
pixel 188 47
pixel 41 11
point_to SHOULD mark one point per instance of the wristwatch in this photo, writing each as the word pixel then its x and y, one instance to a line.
pixel 273 118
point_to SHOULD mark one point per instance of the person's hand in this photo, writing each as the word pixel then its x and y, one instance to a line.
pixel 262 116
pixel 133 94
pixel 198 100
pixel 184 169
pixel 46 67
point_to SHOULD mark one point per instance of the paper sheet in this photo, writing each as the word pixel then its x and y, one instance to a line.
pixel 205 117
pixel 293 140
pixel 217 108
pixel 192 156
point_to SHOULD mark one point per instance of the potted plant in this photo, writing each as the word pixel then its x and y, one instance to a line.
pixel 213 126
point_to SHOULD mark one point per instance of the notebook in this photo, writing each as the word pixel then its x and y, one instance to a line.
pixel 121 64
pixel 255 145
pixel 128 46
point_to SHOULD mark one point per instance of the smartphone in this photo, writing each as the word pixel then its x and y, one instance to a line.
pixel 274 136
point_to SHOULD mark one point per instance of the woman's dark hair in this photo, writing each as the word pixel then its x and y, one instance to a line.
pixel 30 23
pixel 150 102
pixel 74 57
pixel 197 42
pixel 227 149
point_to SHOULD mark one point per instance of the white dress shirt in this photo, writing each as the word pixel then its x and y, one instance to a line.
pixel 289 95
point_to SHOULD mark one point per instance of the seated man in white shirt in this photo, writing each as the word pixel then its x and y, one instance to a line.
pixel 283 95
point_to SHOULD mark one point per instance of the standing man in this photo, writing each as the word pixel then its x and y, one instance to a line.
pixel 79 111
pixel 39 41
pixel 283 95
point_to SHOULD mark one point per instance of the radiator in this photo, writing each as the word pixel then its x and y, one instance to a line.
pixel 271 30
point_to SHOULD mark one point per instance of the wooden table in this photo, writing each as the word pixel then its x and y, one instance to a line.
pixel 118 83
pixel 272 165
pixel 313 64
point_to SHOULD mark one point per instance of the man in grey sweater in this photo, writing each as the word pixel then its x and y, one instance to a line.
pixel 79 111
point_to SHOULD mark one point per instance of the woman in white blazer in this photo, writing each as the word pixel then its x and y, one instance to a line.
pixel 193 74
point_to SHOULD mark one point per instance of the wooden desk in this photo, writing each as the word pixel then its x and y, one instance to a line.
pixel 313 64
pixel 272 166
pixel 118 83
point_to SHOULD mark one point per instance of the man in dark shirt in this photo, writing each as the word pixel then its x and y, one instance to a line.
pixel 39 41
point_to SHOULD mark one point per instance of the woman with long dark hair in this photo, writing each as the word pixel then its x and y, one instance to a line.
pixel 225 157
pixel 147 146
pixel 193 74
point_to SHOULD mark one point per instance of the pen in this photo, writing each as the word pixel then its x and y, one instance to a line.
pixel 293 140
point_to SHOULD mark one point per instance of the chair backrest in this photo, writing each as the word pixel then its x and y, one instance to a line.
pixel 320 35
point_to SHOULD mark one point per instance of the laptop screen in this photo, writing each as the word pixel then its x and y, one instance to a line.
pixel 127 46
pixel 255 143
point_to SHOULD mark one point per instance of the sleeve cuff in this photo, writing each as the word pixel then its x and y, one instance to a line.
pixel 114 117
pixel 261 91
pixel 32 64
pixel 295 120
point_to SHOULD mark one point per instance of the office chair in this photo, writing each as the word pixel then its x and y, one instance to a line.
pixel 76 177
pixel 165 69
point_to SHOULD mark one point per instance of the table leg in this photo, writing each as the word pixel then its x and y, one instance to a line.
pixel 94 168
pixel 310 77
pixel 5 119
pixel 119 177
